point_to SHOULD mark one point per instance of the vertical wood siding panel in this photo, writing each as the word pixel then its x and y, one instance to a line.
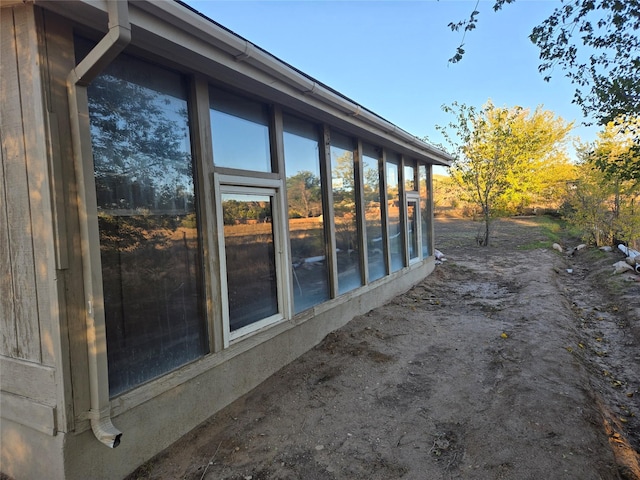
pixel 30 70
pixel 8 333
pixel 9 109
pixel 18 210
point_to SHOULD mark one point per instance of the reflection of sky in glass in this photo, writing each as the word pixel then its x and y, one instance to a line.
pixel 239 143
pixel 301 146
pixel 342 166
pixel 409 178
pixel 301 154
pixel 392 176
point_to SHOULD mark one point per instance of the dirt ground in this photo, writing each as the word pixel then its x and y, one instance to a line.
pixel 500 365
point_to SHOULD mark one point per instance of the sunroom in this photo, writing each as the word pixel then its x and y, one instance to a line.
pixel 196 214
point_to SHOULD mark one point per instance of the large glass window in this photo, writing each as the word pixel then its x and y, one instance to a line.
pixel 373 213
pixel 424 177
pixel 239 132
pixel 344 209
pixel 393 210
pixel 148 221
pixel 250 258
pixel 306 216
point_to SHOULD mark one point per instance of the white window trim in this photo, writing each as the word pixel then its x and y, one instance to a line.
pixel 253 186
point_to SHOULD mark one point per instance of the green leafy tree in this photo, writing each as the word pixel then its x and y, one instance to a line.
pixel 500 154
pixel 595 43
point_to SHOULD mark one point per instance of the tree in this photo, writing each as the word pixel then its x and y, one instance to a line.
pixel 596 44
pixel 500 154
pixel 140 146
pixel 304 194
pixel 618 152
pixel 604 198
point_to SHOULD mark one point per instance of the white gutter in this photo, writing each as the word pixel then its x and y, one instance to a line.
pixel 79 78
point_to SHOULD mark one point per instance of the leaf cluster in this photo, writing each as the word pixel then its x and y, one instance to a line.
pixel 470 24
pixel 596 44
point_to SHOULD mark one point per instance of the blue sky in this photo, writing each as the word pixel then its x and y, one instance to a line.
pixel 392 56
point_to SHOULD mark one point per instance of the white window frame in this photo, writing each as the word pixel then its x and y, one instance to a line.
pixel 224 184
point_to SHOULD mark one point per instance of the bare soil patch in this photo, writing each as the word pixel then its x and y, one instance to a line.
pixel 499 365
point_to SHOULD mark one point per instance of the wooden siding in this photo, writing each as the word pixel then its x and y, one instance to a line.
pixel 18 300
pixel 36 173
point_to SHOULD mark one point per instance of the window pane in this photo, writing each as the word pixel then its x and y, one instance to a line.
pixel 373 215
pixel 147 220
pixel 306 216
pixel 425 209
pixel 344 208
pixel 409 178
pixel 250 255
pixel 412 227
pixel 239 132
pixel 393 209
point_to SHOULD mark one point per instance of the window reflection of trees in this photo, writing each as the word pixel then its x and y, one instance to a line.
pixel 147 221
pixel 393 209
pixel 373 214
pixel 306 215
pixel 425 211
pixel 344 207
pixel 304 195
pixel 250 257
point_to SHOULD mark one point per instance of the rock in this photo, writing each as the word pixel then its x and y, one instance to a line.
pixel 557 247
pixel 637 259
pixel 581 246
pixel 621 267
pixel 631 261
pixel 606 248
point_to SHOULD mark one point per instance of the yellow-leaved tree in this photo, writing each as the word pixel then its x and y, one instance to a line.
pixel 604 198
pixel 506 158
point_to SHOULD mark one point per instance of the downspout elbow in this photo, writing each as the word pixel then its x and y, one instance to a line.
pixel 116 39
pixel 103 428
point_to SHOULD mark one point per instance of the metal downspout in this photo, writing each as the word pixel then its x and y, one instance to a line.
pixel 79 78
